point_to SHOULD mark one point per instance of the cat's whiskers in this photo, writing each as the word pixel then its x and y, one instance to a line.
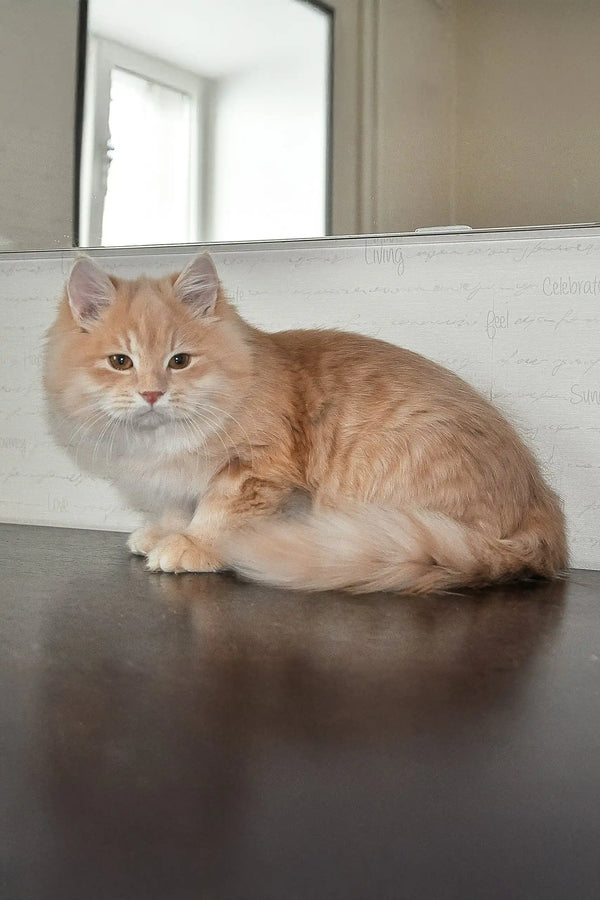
pixel 100 439
pixel 118 422
pixel 254 406
pixel 215 425
pixel 96 416
pixel 111 437
pixel 188 426
pixel 85 429
pixel 216 410
pixel 105 433
pixel 201 405
pixel 209 416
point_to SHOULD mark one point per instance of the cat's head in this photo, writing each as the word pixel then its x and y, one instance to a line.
pixel 162 357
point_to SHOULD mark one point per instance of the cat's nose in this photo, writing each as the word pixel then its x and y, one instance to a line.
pixel 151 396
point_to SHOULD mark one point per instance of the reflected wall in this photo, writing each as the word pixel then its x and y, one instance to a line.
pixel 38 78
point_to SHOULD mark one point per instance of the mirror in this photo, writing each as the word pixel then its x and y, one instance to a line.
pixel 175 121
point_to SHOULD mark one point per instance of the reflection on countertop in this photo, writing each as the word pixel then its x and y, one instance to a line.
pixel 194 736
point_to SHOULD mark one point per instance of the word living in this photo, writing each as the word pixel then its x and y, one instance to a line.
pixel 57 504
pixel 380 253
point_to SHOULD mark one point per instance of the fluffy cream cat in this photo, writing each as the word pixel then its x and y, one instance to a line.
pixel 305 459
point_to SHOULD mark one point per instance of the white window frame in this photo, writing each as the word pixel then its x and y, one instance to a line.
pixel 103 56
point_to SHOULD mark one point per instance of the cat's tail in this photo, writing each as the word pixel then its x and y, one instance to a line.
pixel 369 548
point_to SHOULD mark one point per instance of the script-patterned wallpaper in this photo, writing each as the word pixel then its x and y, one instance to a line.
pixel 517 315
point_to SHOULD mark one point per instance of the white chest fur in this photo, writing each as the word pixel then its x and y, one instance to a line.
pixel 155 484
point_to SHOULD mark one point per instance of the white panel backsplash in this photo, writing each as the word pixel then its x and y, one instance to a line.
pixel 516 314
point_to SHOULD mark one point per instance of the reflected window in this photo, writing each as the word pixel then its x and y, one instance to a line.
pixel 148 189
pixel 148 185
pixel 210 124
pixel 142 150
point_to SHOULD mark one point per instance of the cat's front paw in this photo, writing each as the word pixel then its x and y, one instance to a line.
pixel 181 553
pixel 143 540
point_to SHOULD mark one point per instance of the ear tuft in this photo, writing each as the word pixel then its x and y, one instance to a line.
pixel 198 285
pixel 89 290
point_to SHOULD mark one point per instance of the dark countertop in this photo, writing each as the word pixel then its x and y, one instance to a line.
pixel 190 736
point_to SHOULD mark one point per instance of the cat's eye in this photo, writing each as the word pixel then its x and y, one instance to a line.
pixel 120 361
pixel 180 361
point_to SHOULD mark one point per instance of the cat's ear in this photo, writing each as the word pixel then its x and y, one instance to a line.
pixel 198 285
pixel 89 290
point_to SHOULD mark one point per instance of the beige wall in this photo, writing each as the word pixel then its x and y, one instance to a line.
pixel 415 77
pixel 393 115
pixel 38 40
pixel 528 102
pixel 484 113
